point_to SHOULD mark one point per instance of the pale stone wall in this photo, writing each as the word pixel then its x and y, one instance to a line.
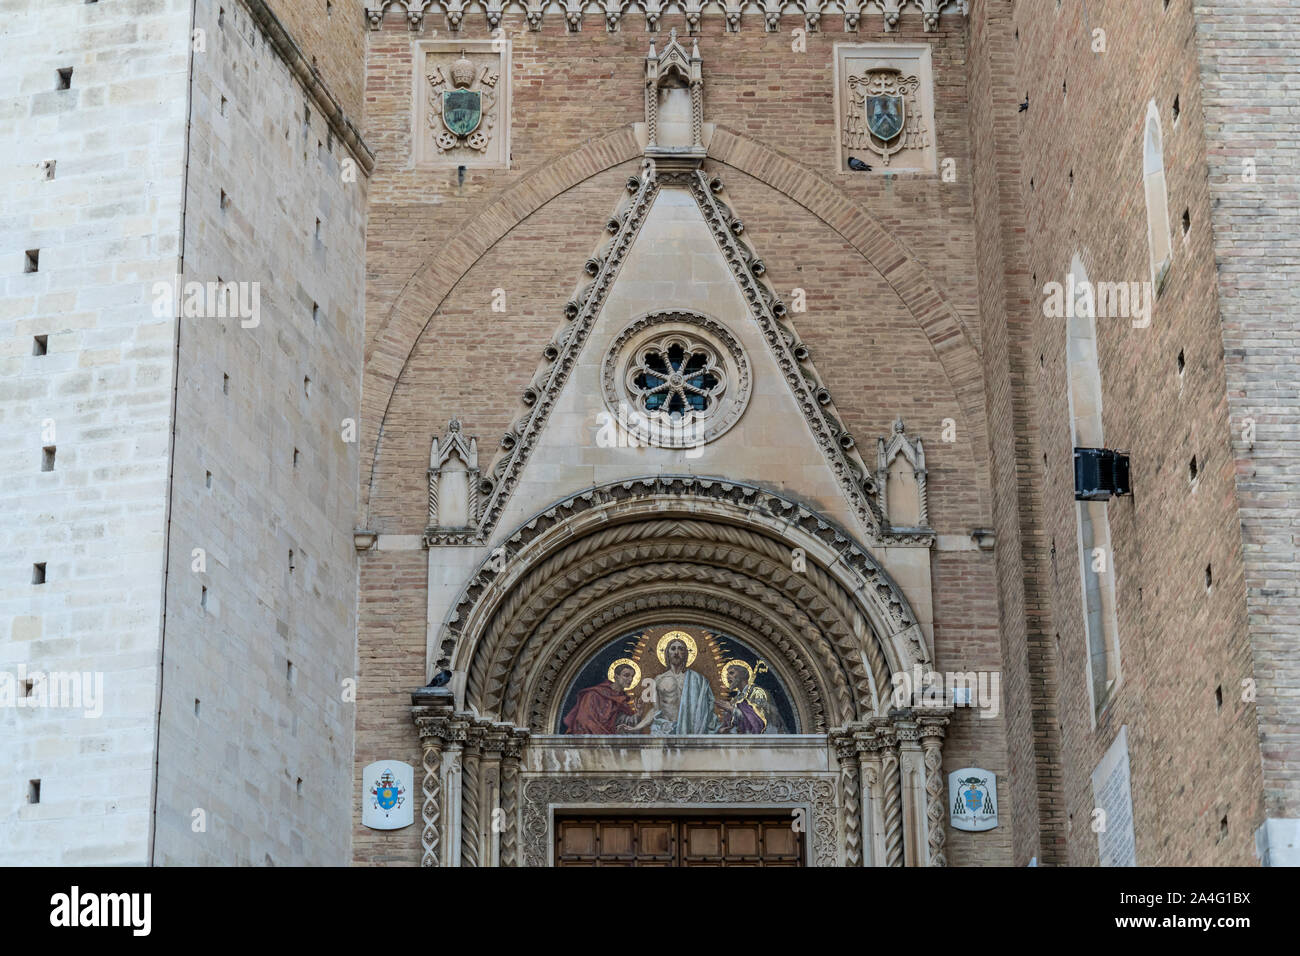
pixel 283 477
pixel 107 227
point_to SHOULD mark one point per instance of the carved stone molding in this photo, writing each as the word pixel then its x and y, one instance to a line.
pixel 542 794
pixel 415 12
pixel 560 359
pixel 869 591
pixel 792 356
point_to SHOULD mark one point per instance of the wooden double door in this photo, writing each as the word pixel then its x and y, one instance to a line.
pixel 750 840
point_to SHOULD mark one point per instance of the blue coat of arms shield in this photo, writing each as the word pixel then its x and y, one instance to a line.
pixel 462 110
pixel 885 116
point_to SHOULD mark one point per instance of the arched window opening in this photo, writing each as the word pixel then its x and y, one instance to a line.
pixel 1096 563
pixel 1153 178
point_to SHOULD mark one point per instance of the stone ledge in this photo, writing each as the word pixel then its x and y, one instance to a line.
pixel 312 82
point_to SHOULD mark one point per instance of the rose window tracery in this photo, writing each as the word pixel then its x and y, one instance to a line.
pixel 675 379
pixel 676 375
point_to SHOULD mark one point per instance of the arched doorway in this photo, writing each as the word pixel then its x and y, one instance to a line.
pixel 721 557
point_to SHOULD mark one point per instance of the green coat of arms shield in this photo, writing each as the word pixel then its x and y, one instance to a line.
pixel 462 110
pixel 885 116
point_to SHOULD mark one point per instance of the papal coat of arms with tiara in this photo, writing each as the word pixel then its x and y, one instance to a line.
pixel 387 792
pixel 463 107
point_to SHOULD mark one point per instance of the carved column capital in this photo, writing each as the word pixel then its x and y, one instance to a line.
pixel 514 745
pixel 933 724
pixel 845 745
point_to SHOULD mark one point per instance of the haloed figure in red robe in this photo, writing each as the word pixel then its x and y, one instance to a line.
pixel 605 708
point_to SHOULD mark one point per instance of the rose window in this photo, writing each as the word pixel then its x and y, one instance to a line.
pixel 675 379
pixel 676 375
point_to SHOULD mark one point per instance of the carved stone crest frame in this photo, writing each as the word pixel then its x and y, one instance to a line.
pixel 434 72
pixel 867 70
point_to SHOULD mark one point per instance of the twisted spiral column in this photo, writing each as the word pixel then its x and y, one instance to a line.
pixel 846 750
pixel 932 734
pixel 469 819
pixel 510 796
pixel 697 114
pixel 891 784
pixel 433 497
pixel 652 113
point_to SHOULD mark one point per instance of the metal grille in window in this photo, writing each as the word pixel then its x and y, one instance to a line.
pixel 676 375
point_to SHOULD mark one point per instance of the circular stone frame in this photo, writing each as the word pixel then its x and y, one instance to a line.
pixel 728 405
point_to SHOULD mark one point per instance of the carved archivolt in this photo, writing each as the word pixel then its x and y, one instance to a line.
pixel 814 793
pixel 568 571
pixel 614 11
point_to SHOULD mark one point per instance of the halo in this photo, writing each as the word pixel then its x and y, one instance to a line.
pixel 636 671
pixel 739 663
pixel 691 648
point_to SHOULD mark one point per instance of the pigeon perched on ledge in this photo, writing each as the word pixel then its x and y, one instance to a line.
pixel 858 165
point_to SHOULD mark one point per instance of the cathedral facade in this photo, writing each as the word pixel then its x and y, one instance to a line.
pixel 561 434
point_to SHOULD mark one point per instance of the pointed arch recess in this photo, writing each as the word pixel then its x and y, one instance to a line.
pixel 390 347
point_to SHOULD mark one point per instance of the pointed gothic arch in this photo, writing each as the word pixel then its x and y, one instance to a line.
pixel 391 345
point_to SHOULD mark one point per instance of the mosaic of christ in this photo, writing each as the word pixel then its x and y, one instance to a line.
pixel 674 681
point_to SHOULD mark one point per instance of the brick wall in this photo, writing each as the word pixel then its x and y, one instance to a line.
pixel 1249 105
pixel 1009 310
pixel 1178 642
